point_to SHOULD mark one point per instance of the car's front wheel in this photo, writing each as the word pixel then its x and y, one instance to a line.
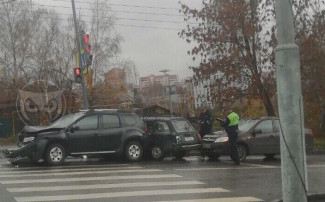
pixel 55 154
pixel 157 152
pixel 133 151
pixel 242 152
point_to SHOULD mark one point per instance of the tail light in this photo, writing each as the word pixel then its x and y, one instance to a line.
pixel 199 136
pixel 311 133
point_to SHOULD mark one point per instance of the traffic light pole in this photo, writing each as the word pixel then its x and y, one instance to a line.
pixel 83 83
pixel 293 156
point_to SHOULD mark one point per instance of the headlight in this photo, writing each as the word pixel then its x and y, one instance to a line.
pixel 28 139
pixel 221 139
pixel 178 139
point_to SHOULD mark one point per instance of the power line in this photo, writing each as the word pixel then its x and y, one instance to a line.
pixel 129 25
pixel 8 2
pixel 121 18
pixel 125 5
pixel 117 11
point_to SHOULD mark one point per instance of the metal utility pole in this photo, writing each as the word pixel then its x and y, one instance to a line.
pixel 293 156
pixel 170 92
pixel 83 83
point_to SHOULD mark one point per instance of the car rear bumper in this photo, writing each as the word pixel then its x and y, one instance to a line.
pixel 189 147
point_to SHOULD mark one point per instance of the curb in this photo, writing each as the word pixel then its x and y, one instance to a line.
pixel 310 197
pixel 317 152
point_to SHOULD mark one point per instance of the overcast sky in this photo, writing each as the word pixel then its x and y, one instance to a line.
pixel 151 49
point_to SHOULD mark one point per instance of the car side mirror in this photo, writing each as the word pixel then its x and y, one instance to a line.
pixel 256 132
pixel 74 128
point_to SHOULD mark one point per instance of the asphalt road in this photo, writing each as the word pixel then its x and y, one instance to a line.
pixel 190 179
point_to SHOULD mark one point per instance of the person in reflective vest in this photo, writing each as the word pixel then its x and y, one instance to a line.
pixel 231 127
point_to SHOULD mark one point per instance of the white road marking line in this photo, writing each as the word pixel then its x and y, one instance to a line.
pixel 67 170
pixel 227 168
pixel 79 173
pixel 119 194
pixel 102 186
pixel 78 179
pixel 259 165
pixel 64 167
pixel 315 166
pixel 232 199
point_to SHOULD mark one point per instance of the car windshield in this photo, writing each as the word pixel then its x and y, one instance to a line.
pixel 67 120
pixel 246 124
pixel 182 126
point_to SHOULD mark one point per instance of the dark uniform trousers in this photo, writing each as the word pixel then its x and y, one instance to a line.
pixel 233 136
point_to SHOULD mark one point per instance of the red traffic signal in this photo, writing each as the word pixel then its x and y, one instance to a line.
pixel 77 75
pixel 86 38
pixel 77 71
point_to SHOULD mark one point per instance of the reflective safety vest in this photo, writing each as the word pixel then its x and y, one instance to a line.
pixel 233 118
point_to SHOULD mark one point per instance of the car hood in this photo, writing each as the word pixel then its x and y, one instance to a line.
pixel 39 129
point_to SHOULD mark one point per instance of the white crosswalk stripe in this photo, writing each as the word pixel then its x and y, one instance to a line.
pixel 111 182
pixel 80 173
pixel 230 199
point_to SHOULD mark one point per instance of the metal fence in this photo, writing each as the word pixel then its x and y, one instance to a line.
pixel 5 127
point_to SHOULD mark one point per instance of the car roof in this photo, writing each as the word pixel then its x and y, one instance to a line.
pixel 261 118
pixel 111 111
pixel 161 118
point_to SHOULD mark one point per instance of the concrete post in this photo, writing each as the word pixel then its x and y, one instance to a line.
pixel 293 158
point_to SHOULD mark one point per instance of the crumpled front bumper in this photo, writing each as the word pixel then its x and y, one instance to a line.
pixel 28 151
pixel 211 147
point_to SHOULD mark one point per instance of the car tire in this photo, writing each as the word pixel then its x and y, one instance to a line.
pixel 242 152
pixel 55 154
pixel 180 154
pixel 269 156
pixel 213 156
pixel 133 151
pixel 157 152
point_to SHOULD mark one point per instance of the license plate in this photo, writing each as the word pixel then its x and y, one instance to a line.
pixel 189 138
pixel 206 146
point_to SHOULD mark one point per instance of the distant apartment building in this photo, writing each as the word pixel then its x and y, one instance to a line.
pixel 164 80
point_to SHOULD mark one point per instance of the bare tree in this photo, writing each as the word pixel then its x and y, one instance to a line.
pixel 106 43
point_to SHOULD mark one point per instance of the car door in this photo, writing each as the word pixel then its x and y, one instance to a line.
pixel 162 135
pixel 277 131
pixel 109 137
pixel 81 139
pixel 263 138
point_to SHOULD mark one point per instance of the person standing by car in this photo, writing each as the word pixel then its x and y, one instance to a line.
pixel 205 121
pixel 231 127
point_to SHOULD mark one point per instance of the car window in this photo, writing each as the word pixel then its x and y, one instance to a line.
pixel 265 126
pixel 88 123
pixel 129 120
pixel 183 126
pixel 246 125
pixel 161 127
pixel 67 120
pixel 111 121
pixel 276 125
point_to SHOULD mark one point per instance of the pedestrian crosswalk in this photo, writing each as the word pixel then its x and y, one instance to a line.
pixel 113 182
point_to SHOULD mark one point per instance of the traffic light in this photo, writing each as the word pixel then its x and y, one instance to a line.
pixel 86 57
pixel 77 75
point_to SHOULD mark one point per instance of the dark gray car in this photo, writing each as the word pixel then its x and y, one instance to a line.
pixel 257 136
pixel 88 132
